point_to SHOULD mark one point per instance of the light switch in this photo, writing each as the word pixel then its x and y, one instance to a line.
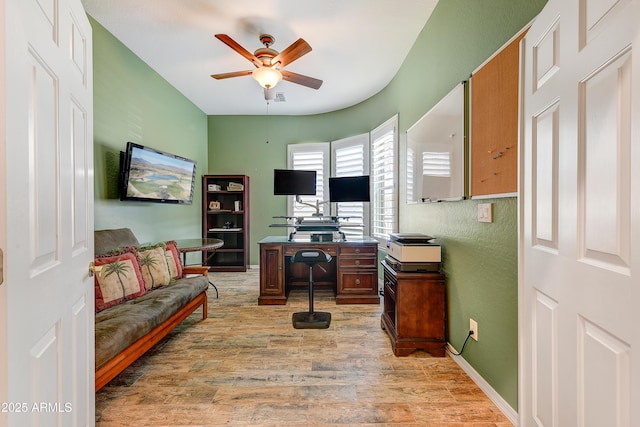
pixel 484 212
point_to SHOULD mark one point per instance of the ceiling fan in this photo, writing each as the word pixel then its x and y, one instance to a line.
pixel 269 63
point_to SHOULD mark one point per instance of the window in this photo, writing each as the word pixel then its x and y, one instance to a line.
pixel 374 154
pixel 311 157
pixel 384 176
pixel 350 157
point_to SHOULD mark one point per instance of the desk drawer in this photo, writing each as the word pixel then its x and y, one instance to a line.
pixel 358 282
pixel 290 250
pixel 359 262
pixel 359 250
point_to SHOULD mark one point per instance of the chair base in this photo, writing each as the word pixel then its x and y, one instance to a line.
pixel 316 320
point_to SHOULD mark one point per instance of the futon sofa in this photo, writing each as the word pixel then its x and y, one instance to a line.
pixel 132 317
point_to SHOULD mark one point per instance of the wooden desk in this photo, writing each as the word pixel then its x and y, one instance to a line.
pixel 353 272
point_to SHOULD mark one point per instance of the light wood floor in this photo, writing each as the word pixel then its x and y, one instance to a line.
pixel 247 366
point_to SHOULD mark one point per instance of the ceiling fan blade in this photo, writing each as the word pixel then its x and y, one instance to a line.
pixel 290 54
pixel 300 79
pixel 232 74
pixel 242 51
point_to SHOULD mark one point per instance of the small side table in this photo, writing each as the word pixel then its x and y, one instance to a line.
pixel 414 313
pixel 206 246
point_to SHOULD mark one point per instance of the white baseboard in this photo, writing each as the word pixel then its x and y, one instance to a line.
pixel 502 404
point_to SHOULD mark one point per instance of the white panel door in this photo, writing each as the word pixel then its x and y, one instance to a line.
pixel 47 215
pixel 580 211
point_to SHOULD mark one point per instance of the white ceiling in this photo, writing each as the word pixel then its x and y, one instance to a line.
pixel 358 46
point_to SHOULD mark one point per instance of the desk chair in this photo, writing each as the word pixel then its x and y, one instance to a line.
pixel 311 319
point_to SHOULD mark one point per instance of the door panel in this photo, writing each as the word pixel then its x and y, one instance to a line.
pixel 603 377
pixel 545 179
pixel 44 365
pixel 43 226
pixel 47 220
pixel 580 217
pixel 605 107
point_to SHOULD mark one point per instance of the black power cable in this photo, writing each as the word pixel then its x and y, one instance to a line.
pixel 462 349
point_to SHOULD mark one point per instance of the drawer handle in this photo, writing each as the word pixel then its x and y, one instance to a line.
pixel 357 281
pixel 357 250
pixel 357 262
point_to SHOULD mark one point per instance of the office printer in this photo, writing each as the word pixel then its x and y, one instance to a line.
pixel 413 252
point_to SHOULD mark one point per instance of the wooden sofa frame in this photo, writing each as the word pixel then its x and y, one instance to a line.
pixel 126 357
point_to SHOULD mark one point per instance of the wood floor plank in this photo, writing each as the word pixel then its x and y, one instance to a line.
pixel 245 365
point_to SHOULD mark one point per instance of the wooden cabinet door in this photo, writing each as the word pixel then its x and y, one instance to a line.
pixel 421 310
pixel 271 275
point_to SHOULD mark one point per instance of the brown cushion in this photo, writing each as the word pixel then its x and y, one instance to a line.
pixel 119 279
pixel 106 241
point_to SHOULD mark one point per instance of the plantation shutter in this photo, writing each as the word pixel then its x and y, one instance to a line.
pixel 411 160
pixel 384 206
pixel 350 157
pixel 315 157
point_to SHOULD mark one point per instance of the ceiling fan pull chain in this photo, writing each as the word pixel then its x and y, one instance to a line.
pixel 267 119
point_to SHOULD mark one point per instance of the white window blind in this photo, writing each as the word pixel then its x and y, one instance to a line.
pixel 436 163
pixel 315 157
pixel 350 157
pixel 411 160
pixel 384 206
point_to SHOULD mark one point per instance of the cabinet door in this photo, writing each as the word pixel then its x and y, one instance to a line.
pixel 271 271
pixel 420 308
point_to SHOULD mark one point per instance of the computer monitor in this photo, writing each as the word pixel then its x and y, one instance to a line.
pixel 349 189
pixel 290 182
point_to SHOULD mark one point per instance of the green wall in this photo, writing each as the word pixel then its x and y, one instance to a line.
pixel 134 103
pixel 480 260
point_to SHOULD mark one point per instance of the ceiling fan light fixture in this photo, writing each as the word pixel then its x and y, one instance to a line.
pixel 267 77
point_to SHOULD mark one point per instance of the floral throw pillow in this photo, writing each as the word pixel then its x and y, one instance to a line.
pixel 118 279
pixel 153 265
pixel 173 259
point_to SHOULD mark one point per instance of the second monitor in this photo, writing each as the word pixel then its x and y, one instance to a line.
pixel 349 189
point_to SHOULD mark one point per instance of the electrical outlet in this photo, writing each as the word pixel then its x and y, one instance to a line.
pixel 473 326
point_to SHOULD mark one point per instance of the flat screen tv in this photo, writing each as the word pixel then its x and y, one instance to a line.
pixel 349 189
pixel 151 175
pixel 289 182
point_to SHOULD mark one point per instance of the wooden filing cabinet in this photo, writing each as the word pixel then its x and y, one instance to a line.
pixel 414 314
pixel 358 274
